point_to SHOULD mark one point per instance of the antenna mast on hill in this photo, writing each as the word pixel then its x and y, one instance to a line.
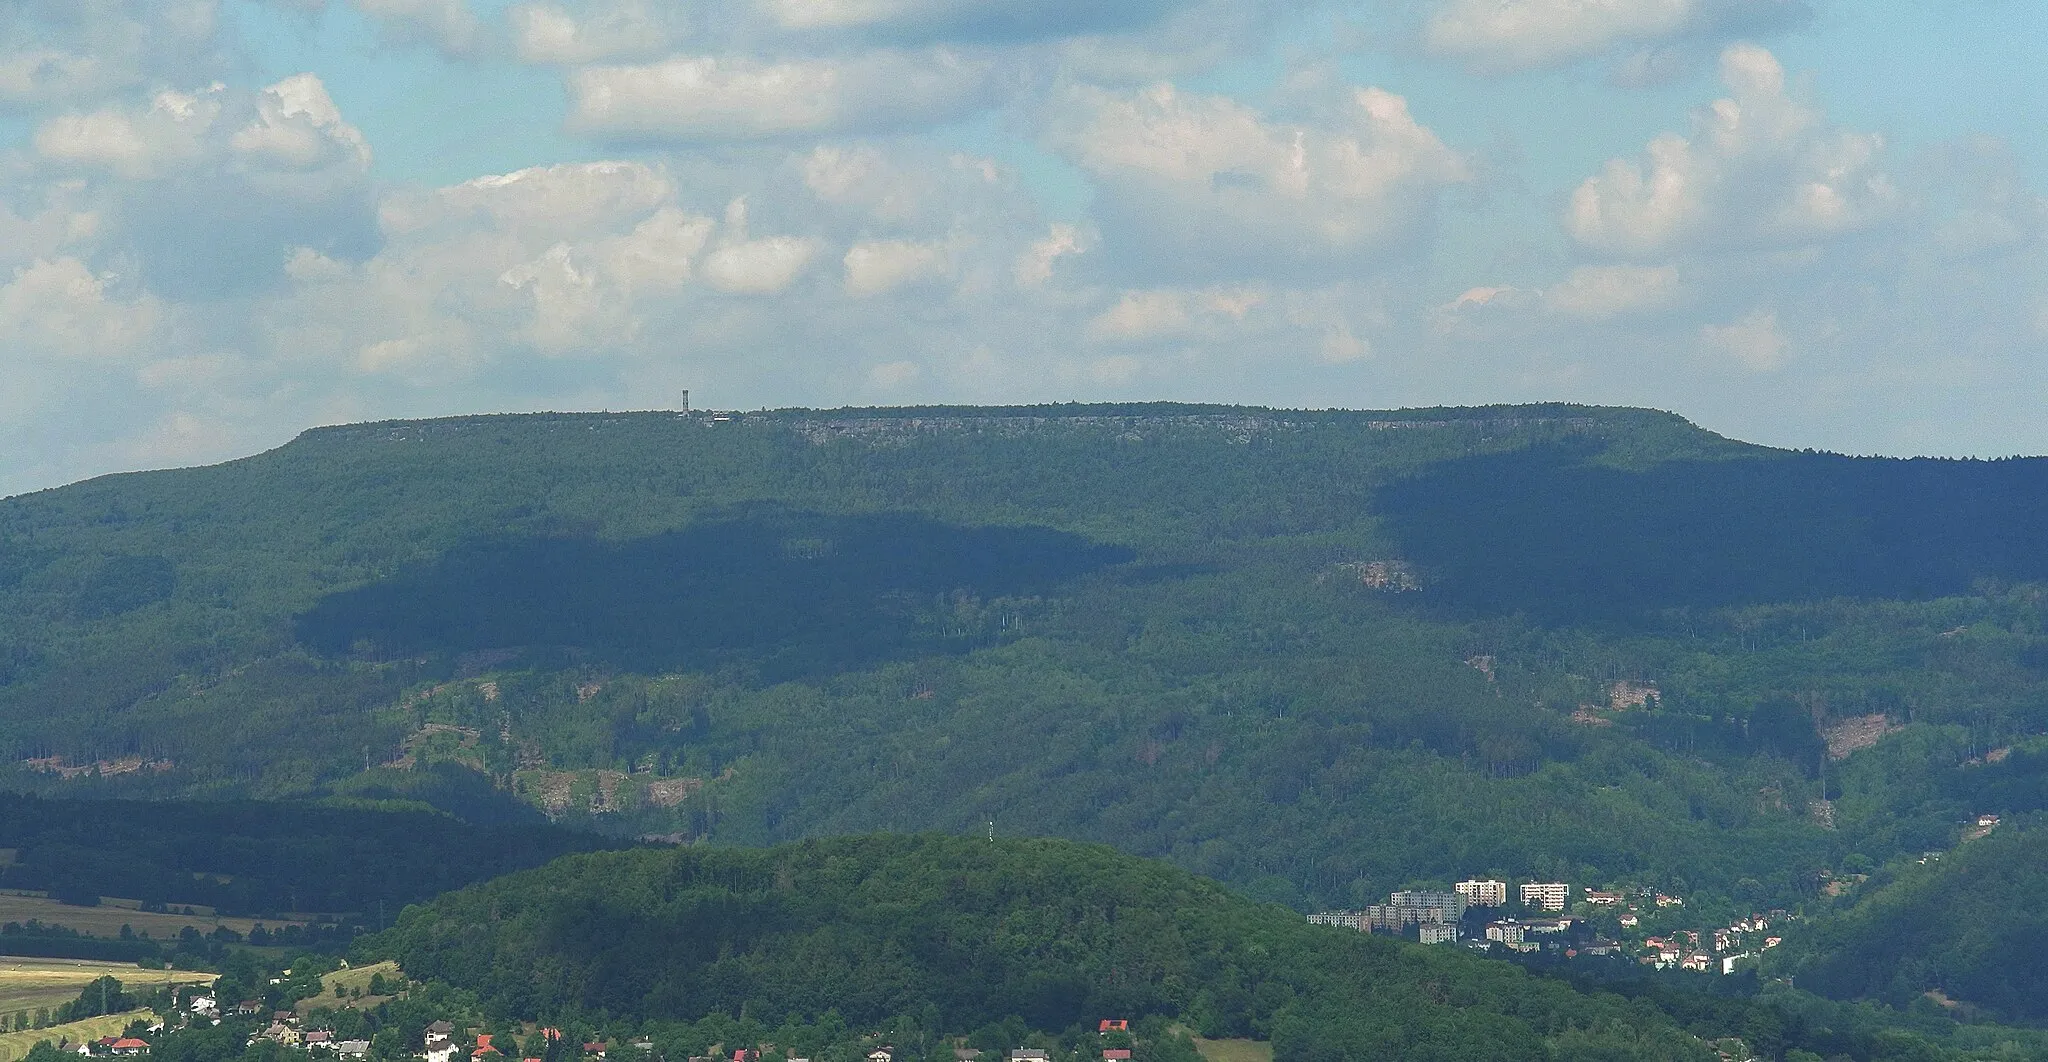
pixel 685 406
pixel 991 831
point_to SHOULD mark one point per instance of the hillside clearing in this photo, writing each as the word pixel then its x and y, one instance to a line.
pixel 356 979
pixel 1228 1050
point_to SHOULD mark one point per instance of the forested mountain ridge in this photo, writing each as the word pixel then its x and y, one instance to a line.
pixel 1315 654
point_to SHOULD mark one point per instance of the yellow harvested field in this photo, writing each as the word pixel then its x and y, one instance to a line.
pixel 26 984
pixel 16 1045
pixel 1234 1050
pixel 107 919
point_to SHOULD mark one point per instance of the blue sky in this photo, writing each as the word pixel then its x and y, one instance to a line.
pixel 1802 222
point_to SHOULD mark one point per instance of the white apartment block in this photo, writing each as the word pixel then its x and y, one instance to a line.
pixel 1546 895
pixel 1422 906
pixel 1483 893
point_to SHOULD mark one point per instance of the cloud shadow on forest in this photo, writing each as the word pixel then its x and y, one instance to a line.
pixel 785 594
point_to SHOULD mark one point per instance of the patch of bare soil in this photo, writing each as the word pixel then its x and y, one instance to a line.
pixel 102 768
pixel 1845 736
pixel 1628 694
pixel 668 792
pixel 1394 576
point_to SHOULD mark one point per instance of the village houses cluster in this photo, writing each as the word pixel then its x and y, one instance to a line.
pixel 284 1029
pixel 111 1047
pixel 443 1041
pixel 1558 917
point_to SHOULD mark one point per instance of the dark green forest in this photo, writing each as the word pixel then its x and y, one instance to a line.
pixel 1313 655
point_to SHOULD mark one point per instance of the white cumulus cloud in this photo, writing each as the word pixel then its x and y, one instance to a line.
pixel 62 308
pixel 1602 292
pixel 843 14
pixel 1004 20
pixel 1759 168
pixel 876 267
pixel 298 129
pixel 713 98
pixel 764 266
pixel 1173 313
pixel 1034 267
pixel 136 143
pixel 1755 341
pixel 863 176
pixel 544 202
pixel 1497 36
pixel 206 191
pixel 1208 184
pixel 73 52
pixel 759 267
pixel 291 127
pixel 891 375
pixel 593 31
pixel 446 24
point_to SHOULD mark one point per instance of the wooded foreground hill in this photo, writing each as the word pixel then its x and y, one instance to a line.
pixel 1965 931
pixel 927 938
pixel 1314 654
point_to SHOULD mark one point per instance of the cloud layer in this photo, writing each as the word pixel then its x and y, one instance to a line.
pixel 1769 243
pixel 1504 36
pixel 959 200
